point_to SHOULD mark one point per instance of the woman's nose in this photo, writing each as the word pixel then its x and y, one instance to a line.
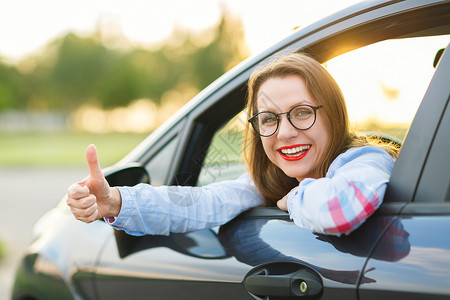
pixel 285 130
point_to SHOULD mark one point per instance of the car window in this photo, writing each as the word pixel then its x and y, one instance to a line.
pixel 225 158
pixel 159 165
pixel 384 83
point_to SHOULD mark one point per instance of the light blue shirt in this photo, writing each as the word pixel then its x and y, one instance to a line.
pixel 351 191
pixel 162 210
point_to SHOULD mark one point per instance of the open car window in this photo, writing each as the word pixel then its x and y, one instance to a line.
pixel 384 83
pixel 159 165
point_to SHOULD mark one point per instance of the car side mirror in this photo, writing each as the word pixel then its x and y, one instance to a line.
pixel 200 244
pixel 127 176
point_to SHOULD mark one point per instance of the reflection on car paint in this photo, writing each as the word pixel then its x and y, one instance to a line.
pixel 245 240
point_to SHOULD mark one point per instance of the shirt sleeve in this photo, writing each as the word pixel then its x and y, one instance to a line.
pixel 162 210
pixel 351 191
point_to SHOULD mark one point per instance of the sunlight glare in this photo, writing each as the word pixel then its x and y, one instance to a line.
pixel 385 82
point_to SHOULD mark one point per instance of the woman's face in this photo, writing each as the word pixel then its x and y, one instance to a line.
pixel 296 152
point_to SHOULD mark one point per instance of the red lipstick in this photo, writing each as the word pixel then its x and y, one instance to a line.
pixel 299 153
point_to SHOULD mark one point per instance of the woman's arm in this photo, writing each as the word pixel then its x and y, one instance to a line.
pixel 144 209
pixel 162 210
pixel 352 190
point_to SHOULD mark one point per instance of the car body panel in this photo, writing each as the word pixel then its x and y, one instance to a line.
pixel 52 266
pixel 248 242
pixel 434 184
pixel 424 272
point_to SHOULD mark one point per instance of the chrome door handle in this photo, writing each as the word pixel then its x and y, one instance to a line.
pixel 283 279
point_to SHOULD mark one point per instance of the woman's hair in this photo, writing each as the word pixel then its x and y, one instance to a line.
pixel 271 180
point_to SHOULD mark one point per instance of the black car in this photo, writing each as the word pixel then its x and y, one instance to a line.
pixel 401 252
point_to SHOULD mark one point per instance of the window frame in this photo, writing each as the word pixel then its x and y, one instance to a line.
pixel 203 123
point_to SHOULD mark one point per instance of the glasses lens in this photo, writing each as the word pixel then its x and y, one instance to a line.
pixel 265 123
pixel 302 117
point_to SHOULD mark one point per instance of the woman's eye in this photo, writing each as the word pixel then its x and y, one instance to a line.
pixel 302 113
pixel 268 120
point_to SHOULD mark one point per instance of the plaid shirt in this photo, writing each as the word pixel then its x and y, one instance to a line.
pixel 351 191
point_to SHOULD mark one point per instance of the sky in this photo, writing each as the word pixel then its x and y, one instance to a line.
pixel 27 25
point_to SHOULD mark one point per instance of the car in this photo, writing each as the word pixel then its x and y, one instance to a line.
pixel 400 252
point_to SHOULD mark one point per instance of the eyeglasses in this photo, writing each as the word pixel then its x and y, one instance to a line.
pixel 302 117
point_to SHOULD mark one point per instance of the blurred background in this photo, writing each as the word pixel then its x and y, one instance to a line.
pixel 109 72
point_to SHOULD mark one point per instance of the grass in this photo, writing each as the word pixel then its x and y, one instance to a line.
pixel 67 149
pixel 63 149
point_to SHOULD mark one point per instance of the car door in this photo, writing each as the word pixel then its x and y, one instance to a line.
pixel 423 178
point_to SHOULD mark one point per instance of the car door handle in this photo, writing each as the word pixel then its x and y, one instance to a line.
pixel 269 280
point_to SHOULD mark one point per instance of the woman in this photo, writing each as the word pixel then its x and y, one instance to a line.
pixel 342 178
pixel 299 149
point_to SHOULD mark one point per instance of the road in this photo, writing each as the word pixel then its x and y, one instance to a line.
pixel 27 193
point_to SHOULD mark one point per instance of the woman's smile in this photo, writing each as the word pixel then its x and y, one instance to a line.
pixel 293 153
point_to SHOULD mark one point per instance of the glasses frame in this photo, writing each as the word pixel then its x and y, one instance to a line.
pixel 288 114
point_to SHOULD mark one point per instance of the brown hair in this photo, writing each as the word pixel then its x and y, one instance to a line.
pixel 271 180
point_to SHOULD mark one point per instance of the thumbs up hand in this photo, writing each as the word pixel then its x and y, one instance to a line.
pixel 93 198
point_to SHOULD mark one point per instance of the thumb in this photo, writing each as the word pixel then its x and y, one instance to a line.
pixel 92 159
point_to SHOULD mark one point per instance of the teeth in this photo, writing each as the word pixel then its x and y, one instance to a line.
pixel 295 150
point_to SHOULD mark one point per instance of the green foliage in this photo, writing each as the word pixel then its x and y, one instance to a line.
pixel 75 70
pixel 80 63
pixel 10 92
pixel 212 60
pixel 2 251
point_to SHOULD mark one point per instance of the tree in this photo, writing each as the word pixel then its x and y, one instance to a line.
pixel 75 70
pixel 11 93
pixel 226 50
pixel 80 64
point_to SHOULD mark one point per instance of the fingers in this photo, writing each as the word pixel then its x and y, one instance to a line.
pixel 92 159
pixel 84 209
pixel 82 204
pixel 88 215
pixel 282 204
pixel 78 191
